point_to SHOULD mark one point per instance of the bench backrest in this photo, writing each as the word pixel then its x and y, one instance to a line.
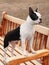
pixel 41 37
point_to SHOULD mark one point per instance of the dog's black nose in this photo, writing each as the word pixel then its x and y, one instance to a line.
pixel 40 20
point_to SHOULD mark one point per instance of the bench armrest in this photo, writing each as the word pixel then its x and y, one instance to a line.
pixel 21 59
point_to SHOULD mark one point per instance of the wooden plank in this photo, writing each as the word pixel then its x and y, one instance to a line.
pixel 1 43
pixel 1 52
pixel 2 38
pixel 1 63
pixel 42 29
pixel 47 42
pixel 1 57
pixel 35 62
pixel 22 64
pixel 39 40
pixel 3 26
pixel 46 60
pixel 8 26
pixel 1 32
pixel 35 40
pixel 13 25
pixel 28 63
pixel 14 52
pixel 7 53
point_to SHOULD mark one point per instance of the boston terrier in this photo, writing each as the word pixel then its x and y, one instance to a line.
pixel 24 31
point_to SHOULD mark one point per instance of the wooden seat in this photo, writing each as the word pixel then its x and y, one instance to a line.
pixel 40 44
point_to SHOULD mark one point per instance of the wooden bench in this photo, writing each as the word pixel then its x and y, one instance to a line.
pixel 40 44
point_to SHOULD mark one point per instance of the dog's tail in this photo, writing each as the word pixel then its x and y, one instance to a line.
pixel 6 43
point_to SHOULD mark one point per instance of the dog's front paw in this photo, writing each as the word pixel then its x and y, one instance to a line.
pixel 33 51
pixel 25 53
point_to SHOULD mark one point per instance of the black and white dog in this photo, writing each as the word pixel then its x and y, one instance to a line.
pixel 25 31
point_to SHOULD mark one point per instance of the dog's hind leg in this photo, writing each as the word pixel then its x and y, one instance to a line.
pixel 13 47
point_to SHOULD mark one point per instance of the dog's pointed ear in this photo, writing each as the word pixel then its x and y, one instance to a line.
pixel 30 10
pixel 36 10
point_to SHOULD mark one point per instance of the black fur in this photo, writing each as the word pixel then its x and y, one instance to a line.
pixel 32 14
pixel 12 36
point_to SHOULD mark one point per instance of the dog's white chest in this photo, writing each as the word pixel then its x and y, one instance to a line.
pixel 26 31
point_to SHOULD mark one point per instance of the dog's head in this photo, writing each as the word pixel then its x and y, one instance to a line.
pixel 35 16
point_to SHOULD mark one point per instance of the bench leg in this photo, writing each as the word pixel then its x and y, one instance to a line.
pixel 46 60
